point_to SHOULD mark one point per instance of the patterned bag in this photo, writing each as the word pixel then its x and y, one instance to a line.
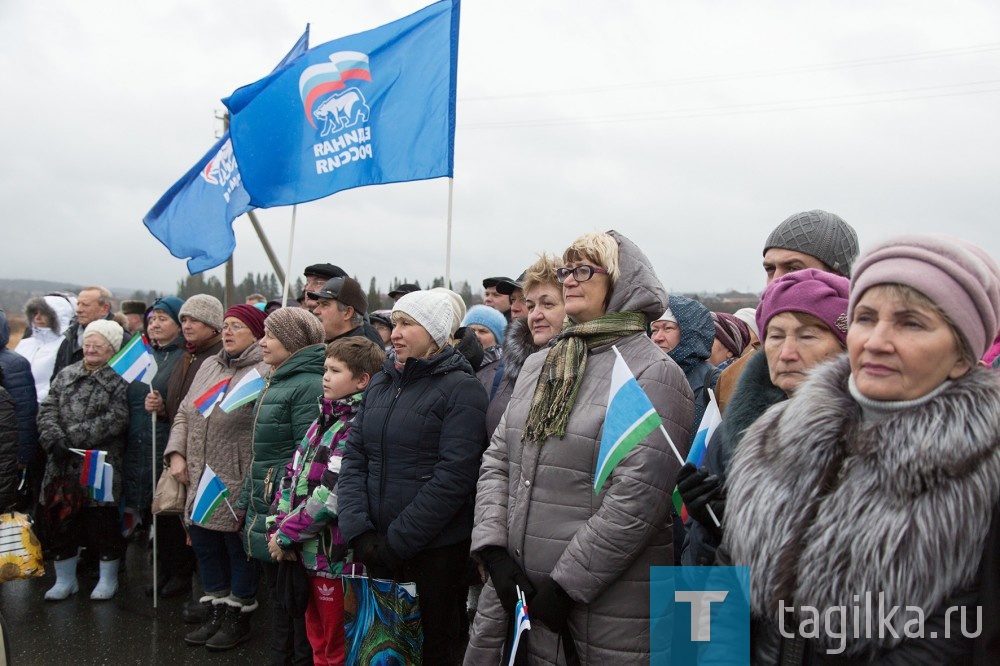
pixel 20 551
pixel 382 622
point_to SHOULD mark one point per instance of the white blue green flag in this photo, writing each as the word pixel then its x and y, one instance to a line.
pixel 245 391
pixel 211 493
pixel 630 417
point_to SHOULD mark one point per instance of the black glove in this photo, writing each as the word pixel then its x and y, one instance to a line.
pixel 388 557
pixel 364 547
pixel 60 450
pixel 507 576
pixel 551 606
pixel 701 490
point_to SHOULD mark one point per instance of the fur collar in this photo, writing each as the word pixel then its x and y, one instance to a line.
pixel 823 507
pixel 518 345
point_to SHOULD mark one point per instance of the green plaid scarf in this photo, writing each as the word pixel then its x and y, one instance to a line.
pixel 562 373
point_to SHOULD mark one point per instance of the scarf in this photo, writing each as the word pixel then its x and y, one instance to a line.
pixel 562 373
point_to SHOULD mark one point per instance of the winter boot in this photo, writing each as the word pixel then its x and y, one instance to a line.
pixel 236 625
pixel 216 613
pixel 108 584
pixel 65 580
pixel 196 611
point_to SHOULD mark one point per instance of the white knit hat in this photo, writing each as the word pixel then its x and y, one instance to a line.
pixel 749 317
pixel 107 329
pixel 431 309
pixel 457 304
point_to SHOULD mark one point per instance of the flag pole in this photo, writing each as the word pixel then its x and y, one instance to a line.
pixel 447 249
pixel 680 459
pixel 155 539
pixel 288 266
pixel 226 500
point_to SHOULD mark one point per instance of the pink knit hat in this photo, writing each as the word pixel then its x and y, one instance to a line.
pixel 957 276
pixel 810 291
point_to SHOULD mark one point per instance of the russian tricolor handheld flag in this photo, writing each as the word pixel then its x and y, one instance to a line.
pixel 135 361
pixel 207 401
pixel 92 470
pixel 629 418
pixel 211 493
pixel 245 391
pixel 710 421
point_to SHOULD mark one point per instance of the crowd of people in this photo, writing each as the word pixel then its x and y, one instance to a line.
pixel 455 448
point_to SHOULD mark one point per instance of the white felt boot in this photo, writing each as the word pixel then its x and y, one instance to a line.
pixel 108 585
pixel 65 580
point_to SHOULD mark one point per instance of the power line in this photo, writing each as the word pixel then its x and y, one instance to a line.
pixel 842 64
pixel 752 107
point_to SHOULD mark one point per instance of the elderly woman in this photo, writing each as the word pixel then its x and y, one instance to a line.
pixel 525 336
pixel 163 329
pixel 292 346
pixel 219 440
pixel 804 319
pixel 886 468
pixel 489 326
pixel 581 557
pixel 409 471
pixel 86 408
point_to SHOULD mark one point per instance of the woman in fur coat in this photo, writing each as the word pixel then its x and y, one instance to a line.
pixel 880 478
pixel 803 319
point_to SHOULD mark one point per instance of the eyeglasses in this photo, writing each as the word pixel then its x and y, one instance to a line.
pixel 581 273
pixel 95 348
pixel 235 328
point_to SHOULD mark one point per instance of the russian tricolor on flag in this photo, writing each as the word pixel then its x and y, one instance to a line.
pixel 630 417
pixel 135 361
pixel 211 493
pixel 207 401
pixel 92 470
pixel 245 391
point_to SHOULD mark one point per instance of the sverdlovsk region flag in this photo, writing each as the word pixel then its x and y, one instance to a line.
pixel 629 418
pixel 194 218
pixel 135 360
pixel 211 493
pixel 246 390
pixel 370 108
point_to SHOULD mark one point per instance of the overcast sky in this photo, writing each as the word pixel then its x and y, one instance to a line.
pixel 692 127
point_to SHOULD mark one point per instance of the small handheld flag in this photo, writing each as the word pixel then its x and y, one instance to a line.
pixel 522 623
pixel 710 421
pixel 211 493
pixel 96 474
pixel 245 391
pixel 207 401
pixel 629 418
pixel 135 360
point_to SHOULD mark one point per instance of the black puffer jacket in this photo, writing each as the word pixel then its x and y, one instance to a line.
pixel 8 451
pixel 16 377
pixel 412 457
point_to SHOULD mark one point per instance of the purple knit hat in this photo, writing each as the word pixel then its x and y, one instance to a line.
pixel 249 315
pixel 957 276
pixel 810 291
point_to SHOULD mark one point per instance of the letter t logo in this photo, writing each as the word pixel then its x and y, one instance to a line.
pixel 701 610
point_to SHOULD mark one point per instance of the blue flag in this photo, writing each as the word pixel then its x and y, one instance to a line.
pixel 371 108
pixel 195 217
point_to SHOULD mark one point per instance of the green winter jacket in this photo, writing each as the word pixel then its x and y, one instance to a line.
pixel 284 412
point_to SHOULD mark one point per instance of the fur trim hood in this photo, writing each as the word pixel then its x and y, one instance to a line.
pixel 518 345
pixel 58 309
pixel 824 507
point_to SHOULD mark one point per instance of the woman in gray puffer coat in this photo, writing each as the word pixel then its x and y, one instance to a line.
pixel 581 557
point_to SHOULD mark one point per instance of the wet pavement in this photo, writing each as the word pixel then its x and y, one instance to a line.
pixel 124 630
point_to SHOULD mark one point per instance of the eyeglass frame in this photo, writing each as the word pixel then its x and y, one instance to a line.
pixel 564 272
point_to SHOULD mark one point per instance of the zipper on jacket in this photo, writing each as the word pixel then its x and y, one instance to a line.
pixel 381 472
pixel 260 401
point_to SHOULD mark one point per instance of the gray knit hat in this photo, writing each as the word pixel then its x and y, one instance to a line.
pixel 294 328
pixel 819 234
pixel 204 308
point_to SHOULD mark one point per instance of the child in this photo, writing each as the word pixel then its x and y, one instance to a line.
pixel 304 524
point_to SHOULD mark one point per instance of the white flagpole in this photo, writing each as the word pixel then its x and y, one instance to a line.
pixel 680 458
pixel 447 250
pixel 155 539
pixel 288 264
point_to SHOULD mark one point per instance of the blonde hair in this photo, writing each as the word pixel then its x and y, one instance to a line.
pixel 541 272
pixel 598 247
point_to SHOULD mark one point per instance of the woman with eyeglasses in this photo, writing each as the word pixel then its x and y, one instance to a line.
pixel 581 556
pixel 86 409
pixel 203 437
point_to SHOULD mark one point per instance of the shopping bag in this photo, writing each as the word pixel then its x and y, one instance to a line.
pixel 382 622
pixel 20 551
